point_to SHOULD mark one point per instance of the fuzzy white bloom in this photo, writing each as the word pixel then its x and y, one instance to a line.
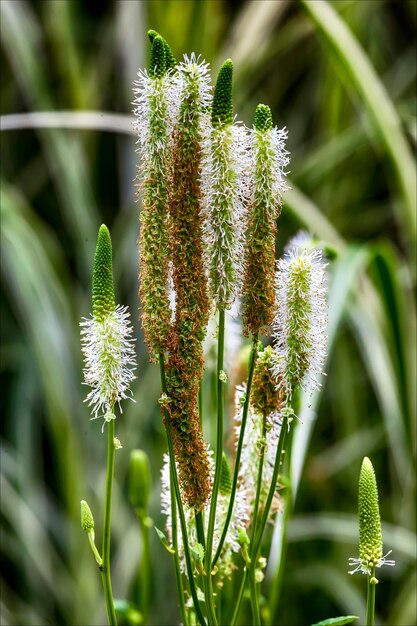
pixel 239 518
pixel 156 107
pixel 191 81
pixel 109 360
pixel 362 567
pixel 224 185
pixel 300 324
pixel 267 168
pixel 252 440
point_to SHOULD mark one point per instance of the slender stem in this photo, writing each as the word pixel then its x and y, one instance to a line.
pixel 272 488
pixel 218 462
pixel 93 546
pixel 200 528
pixel 145 573
pixel 239 598
pixel 252 567
pixel 252 361
pixel 174 533
pixel 105 572
pixel 256 616
pixel 370 599
pixel 275 589
pixel 178 496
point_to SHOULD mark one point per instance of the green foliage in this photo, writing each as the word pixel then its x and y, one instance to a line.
pixel 337 621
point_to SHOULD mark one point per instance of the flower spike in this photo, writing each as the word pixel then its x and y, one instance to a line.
pixel 109 354
pixel 222 108
pixel 157 66
pixel 170 60
pixel 370 534
pixel 301 320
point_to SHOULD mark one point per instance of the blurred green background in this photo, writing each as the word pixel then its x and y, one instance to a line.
pixel 341 77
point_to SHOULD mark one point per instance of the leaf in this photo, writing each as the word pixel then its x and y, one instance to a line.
pixel 337 621
pixel 164 540
pixel 198 553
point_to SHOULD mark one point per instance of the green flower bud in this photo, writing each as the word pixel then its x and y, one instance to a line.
pixel 222 108
pixel 139 486
pixel 263 118
pixel 103 289
pixel 157 65
pixel 370 535
pixel 170 60
pixel 87 520
pixel 225 477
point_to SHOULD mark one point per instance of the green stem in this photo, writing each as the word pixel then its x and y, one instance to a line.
pixel 370 599
pixel 272 488
pixel 252 361
pixel 275 590
pixel 174 532
pixel 256 616
pixel 200 529
pixel 178 496
pixel 239 598
pixel 93 546
pixel 145 574
pixel 218 465
pixel 105 572
pixel 252 567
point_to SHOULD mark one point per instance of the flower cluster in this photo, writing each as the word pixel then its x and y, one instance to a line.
pixel 301 319
pixel 107 346
pixel 370 534
pixel 266 186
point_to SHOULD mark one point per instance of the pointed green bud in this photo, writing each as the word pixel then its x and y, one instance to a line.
pixel 370 535
pixel 222 109
pixel 225 477
pixel 87 520
pixel 103 289
pixel 139 486
pixel 263 118
pixel 242 537
pixel 170 60
pixel 157 65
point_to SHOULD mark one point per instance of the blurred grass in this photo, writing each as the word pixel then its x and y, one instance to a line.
pixel 341 77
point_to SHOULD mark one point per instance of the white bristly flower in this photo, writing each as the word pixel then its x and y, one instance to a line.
pixel 109 358
pixel 106 343
pixel 224 188
pixel 300 324
pixel 248 471
pixel 239 518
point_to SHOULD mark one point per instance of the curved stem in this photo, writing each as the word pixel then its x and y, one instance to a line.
pixel 370 599
pixel 252 361
pixel 105 572
pixel 176 486
pixel 239 598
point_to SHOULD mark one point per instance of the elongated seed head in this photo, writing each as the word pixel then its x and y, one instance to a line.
pixel 170 60
pixel 87 520
pixel 222 109
pixel 263 118
pixel 265 397
pixel 103 289
pixel 157 65
pixel 370 535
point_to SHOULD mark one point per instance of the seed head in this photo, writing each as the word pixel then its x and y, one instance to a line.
pixel 87 520
pixel 222 108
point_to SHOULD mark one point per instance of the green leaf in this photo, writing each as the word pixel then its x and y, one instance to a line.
pixel 198 553
pixel 164 540
pixel 337 621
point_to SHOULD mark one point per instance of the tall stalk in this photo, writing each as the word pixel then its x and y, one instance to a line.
pixel 370 599
pixel 252 362
pixel 105 567
pixel 174 539
pixel 174 476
